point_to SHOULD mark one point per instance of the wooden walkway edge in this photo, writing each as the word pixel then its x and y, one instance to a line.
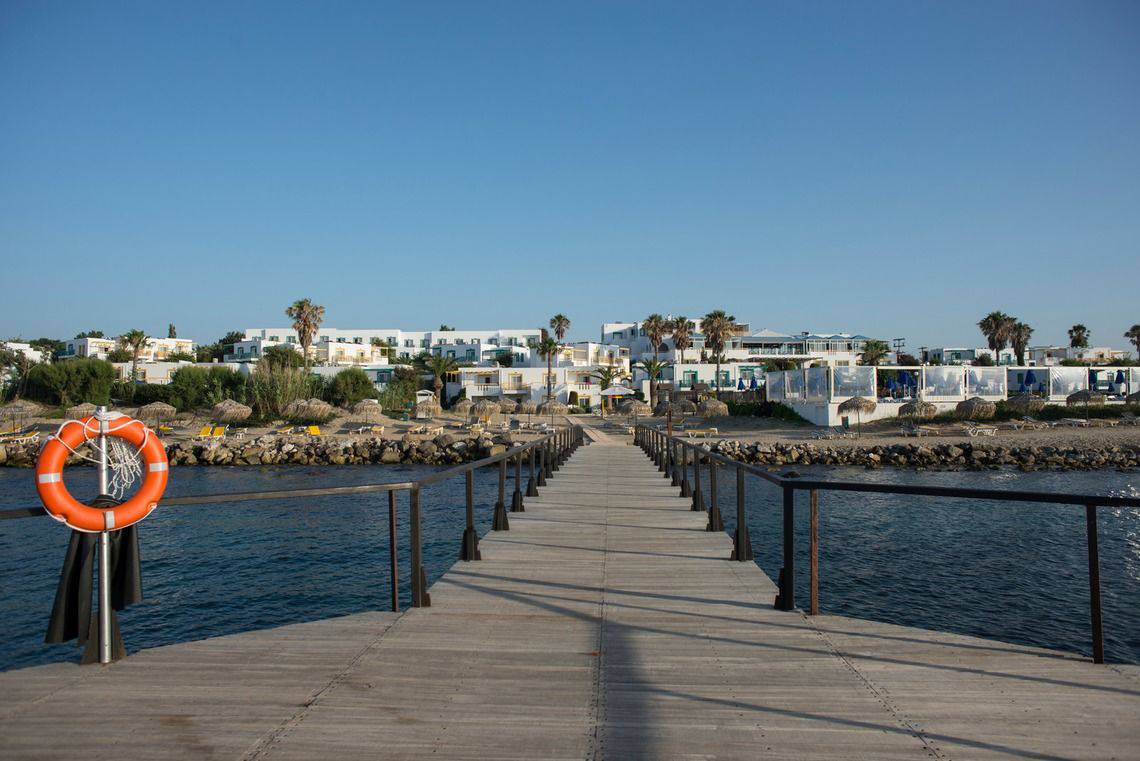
pixel 606 624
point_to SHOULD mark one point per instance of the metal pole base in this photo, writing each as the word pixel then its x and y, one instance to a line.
pixel 425 598
pixel 686 490
pixel 517 501
pixel 675 476
pixel 698 501
pixel 716 523
pixel 469 550
pixel 741 545
pixel 783 601
pixel 531 487
pixel 499 520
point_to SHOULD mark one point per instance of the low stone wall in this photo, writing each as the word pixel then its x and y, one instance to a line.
pixel 445 449
pixel 964 456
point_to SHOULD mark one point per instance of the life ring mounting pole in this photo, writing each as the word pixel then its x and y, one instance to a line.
pixel 104 547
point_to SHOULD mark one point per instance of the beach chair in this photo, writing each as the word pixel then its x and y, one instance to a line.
pixel 1071 422
pixel 1129 418
pixel 692 433
pixel 207 431
pixel 313 430
pixel 1033 423
pixel 982 430
pixel 21 438
pixel 434 430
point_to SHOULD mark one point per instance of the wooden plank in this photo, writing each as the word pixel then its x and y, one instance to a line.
pixel 607 623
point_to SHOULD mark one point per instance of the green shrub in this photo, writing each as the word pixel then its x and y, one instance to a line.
pixel 271 388
pixel 401 390
pixel 774 410
pixel 192 388
pixel 71 382
pixel 350 386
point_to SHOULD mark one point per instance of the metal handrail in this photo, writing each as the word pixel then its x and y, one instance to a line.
pixel 675 457
pixel 548 451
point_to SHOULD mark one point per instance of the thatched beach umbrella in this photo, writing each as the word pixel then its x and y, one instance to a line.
pixel 229 411
pixel 309 411
pixel 368 411
pixel 636 408
pixel 463 407
pixel 507 405
pixel 428 408
pixel 156 411
pixel 485 408
pixel 918 410
pixel 975 408
pixel 20 410
pixel 80 411
pixel 527 407
pixel 712 408
pixel 685 407
pixel 663 408
pixel 1025 403
pixel 859 405
pixel 553 407
pixel 1085 397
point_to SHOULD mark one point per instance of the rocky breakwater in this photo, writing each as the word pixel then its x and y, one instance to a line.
pixel 959 456
pixel 445 449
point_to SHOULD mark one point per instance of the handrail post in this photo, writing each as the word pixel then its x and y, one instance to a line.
pixel 686 487
pixel 420 596
pixel 813 541
pixel 541 453
pixel 716 523
pixel 786 599
pixel 675 462
pixel 1094 584
pixel 531 484
pixel 741 541
pixel 393 560
pixel 517 497
pixel 554 453
pixel 499 520
pixel 698 496
pixel 469 548
pixel 666 456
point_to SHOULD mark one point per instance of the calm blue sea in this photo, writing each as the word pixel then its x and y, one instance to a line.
pixel 1010 572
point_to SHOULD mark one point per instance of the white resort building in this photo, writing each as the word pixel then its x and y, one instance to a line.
pixel 155 350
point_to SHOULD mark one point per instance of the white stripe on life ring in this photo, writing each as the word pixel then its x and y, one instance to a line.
pixel 109 519
pixel 157 466
pixel 49 478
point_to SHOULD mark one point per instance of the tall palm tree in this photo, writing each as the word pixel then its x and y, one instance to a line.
pixel 547 348
pixel 655 327
pixel 307 319
pixel 606 376
pixel 653 368
pixel 134 341
pixel 996 327
pixel 1078 337
pixel 439 366
pixel 717 326
pixel 682 328
pixel 874 351
pixel 1019 335
pixel 1133 335
pixel 560 323
pixel 171 331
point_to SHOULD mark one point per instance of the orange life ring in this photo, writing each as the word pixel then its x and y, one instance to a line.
pixel 64 508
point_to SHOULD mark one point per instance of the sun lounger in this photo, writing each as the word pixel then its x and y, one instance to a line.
pixel 206 432
pixel 692 433
pixel 313 430
pixel 982 430
pixel 434 430
pixel 21 438
pixel 1129 419
pixel 1071 422
pixel 1034 423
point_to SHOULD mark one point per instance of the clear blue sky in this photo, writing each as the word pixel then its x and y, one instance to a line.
pixel 896 169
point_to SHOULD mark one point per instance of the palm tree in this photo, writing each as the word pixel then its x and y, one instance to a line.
pixel 655 327
pixel 1019 335
pixel 547 348
pixel 717 326
pixel 653 368
pixel 606 376
pixel 874 351
pixel 134 341
pixel 996 327
pixel 307 319
pixel 171 331
pixel 1078 337
pixel 1133 335
pixel 559 323
pixel 439 366
pixel 682 336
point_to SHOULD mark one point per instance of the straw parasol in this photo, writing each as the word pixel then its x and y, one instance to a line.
pixel 156 411
pixel 229 411
pixel 918 410
pixel 1133 398
pixel 368 411
pixel 527 407
pixel 663 408
pixel 636 408
pixel 80 411
pixel 685 407
pixel 553 407
pixel 712 408
pixel 462 407
pixel 21 409
pixel 1085 397
pixel 309 411
pixel 508 406
pixel 975 408
pixel 1025 403
pixel 858 405
pixel 428 408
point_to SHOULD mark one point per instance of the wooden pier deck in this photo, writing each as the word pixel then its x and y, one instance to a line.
pixel 606 624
